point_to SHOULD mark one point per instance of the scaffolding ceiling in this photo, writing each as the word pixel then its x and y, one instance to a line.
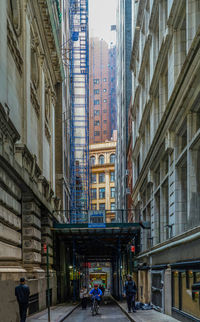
pixel 98 243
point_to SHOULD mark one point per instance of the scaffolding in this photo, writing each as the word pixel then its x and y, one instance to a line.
pixel 79 129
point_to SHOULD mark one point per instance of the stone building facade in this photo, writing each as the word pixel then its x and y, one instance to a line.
pixel 33 160
pixel 123 92
pixel 112 89
pixel 129 170
pixel 166 138
pixel 102 178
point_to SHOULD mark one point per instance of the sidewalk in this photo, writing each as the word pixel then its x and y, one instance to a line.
pixel 58 313
pixel 146 316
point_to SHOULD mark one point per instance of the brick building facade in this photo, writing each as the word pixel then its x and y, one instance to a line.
pixel 99 98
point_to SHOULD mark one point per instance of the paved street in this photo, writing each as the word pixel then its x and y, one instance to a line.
pixel 107 313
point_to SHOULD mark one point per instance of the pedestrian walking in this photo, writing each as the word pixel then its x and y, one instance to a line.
pixel 83 297
pixel 102 288
pixel 130 291
pixel 22 293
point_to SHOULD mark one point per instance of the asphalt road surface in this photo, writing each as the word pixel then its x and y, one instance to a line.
pixel 108 313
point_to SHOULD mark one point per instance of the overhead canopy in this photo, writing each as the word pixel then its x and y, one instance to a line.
pixel 97 243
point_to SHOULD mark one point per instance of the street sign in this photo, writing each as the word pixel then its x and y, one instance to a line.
pixel 96 219
pixel 97 225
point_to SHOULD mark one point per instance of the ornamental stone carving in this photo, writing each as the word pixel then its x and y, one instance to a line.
pixel 27 160
pixel 14 10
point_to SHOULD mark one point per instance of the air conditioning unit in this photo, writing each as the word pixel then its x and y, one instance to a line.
pixel 127 172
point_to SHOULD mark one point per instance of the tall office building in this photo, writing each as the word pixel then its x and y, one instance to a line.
pixel 124 85
pixel 112 88
pixel 99 108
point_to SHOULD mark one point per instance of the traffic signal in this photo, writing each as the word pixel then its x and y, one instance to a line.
pixel 133 249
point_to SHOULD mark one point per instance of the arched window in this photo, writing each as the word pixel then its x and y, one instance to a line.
pixel 112 158
pixel 101 159
pixel 92 160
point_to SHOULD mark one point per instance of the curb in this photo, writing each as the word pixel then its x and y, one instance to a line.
pixel 69 313
pixel 123 310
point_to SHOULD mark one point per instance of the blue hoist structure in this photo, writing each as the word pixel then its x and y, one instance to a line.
pixel 79 127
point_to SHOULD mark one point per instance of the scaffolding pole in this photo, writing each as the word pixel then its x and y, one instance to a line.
pixel 79 129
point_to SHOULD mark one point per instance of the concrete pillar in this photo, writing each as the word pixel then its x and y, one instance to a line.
pixel 167 292
pixel 192 16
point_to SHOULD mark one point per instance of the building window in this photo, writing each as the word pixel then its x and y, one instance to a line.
pixel 96 102
pixel 96 112
pixel 93 193
pixel 102 193
pixel 101 177
pixel 105 111
pixel 104 121
pixel 94 206
pixel 104 90
pixel 101 159
pixel 182 299
pixel 112 158
pixel 92 160
pixel 93 178
pixel 105 100
pixel 105 79
pixel 96 123
pixel 112 176
pixel 112 192
pixel 96 81
pixel 105 132
pixel 96 91
pixel 96 133
pixel 102 206
pixel 112 206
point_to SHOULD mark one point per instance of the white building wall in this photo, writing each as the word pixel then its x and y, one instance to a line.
pixel 165 66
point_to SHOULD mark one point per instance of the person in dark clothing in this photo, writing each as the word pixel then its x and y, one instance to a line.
pixel 102 290
pixel 130 291
pixel 83 297
pixel 22 293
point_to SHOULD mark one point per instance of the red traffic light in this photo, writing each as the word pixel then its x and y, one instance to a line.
pixel 45 248
pixel 133 249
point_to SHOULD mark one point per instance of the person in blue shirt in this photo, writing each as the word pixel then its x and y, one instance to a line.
pixel 96 293
pixel 22 293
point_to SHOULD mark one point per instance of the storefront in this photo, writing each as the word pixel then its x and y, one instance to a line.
pixel 186 291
